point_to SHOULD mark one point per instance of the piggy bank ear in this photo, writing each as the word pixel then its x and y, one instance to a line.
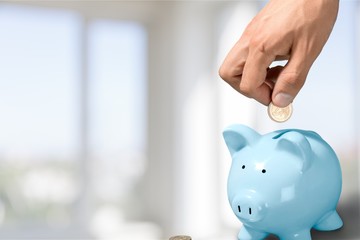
pixel 297 144
pixel 238 136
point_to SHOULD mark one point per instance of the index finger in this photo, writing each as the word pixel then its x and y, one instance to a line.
pixel 254 75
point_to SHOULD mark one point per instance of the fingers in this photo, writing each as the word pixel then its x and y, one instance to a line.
pixel 232 68
pixel 272 75
pixel 253 83
pixel 259 90
pixel 256 80
pixel 295 30
pixel 246 69
pixel 290 80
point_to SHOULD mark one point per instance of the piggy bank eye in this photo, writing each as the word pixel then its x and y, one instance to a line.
pixel 243 167
pixel 263 171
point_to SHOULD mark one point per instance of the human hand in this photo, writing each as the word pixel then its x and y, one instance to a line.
pixel 293 30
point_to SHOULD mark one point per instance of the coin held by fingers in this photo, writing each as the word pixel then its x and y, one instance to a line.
pixel 279 114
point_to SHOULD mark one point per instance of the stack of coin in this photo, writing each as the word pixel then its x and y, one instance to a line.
pixel 279 114
pixel 181 237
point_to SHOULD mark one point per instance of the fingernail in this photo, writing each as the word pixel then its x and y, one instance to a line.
pixel 282 99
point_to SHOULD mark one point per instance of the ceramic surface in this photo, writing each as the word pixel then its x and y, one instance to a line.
pixel 284 183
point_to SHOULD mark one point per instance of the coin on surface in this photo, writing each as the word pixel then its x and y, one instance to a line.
pixel 279 114
pixel 182 237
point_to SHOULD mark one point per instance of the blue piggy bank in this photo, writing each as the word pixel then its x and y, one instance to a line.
pixel 284 183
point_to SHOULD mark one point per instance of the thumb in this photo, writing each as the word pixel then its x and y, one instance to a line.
pixel 289 82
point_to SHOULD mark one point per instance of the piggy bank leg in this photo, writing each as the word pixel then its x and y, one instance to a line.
pixel 331 221
pixel 251 234
pixel 301 235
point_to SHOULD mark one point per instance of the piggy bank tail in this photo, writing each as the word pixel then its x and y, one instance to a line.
pixel 330 221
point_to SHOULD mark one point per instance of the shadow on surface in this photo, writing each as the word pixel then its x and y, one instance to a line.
pixel 350 214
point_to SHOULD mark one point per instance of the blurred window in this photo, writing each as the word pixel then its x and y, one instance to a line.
pixel 117 94
pixel 39 72
pixel 73 117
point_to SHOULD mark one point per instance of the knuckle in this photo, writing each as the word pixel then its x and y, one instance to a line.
pixel 224 73
pixel 255 41
pixel 246 89
pixel 230 74
pixel 292 80
pixel 258 44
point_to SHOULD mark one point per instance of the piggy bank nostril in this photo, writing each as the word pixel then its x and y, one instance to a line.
pixel 249 206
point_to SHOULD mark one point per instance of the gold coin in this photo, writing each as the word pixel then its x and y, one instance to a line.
pixel 279 114
pixel 182 237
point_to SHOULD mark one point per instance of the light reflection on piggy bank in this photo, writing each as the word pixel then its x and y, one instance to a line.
pixel 284 183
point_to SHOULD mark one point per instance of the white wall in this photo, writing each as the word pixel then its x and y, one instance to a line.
pixel 182 137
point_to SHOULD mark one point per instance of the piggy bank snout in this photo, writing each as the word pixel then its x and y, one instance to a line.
pixel 249 206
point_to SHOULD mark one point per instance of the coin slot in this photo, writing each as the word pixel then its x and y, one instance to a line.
pixel 281 133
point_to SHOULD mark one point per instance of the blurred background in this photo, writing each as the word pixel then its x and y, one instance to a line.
pixel 111 114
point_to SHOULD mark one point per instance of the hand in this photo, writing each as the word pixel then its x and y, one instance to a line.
pixel 293 30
